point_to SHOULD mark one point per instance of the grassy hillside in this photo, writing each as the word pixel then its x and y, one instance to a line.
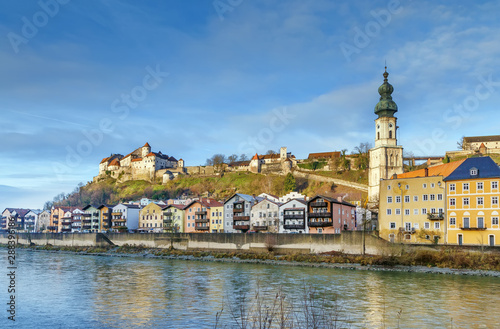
pixel 220 187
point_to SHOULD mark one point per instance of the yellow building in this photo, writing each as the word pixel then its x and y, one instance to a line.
pixel 217 218
pixel 412 205
pixel 173 217
pixel 473 203
pixel 151 218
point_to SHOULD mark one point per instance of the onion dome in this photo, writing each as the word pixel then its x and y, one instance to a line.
pixel 386 107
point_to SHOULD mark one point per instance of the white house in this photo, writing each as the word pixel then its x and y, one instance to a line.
pixel 293 217
pixel 265 216
pixel 125 215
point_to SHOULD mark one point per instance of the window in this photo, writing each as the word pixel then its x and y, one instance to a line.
pixel 480 222
pixel 436 225
pixel 415 211
pixel 452 187
pixel 407 198
pixel 398 199
pixel 453 221
pixel 389 187
pixel 398 211
pixel 424 185
pixel 389 212
pixel 453 201
pixel 494 220
pixel 407 212
pixel 494 185
pixel 480 201
pixel 494 200
pixel 433 197
pixel 407 187
pixel 473 172
pixel 427 225
pixel 433 210
pixel 440 197
pixel 441 211
pixel 479 185
pixel 466 222
pixel 392 225
pixel 425 197
pixel 466 201
pixel 407 226
pixel 424 211
pixel 415 226
pixel 389 199
pixel 415 198
pixel 465 186
pixel 432 185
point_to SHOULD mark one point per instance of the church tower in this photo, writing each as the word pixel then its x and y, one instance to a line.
pixel 386 158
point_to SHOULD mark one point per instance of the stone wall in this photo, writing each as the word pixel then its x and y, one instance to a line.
pixel 325 179
pixel 348 242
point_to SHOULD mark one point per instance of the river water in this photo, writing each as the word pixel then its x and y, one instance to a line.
pixel 57 290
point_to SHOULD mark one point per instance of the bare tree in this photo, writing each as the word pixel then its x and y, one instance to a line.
pixel 363 159
pixel 271 152
pixel 243 157
pixel 461 143
pixel 232 158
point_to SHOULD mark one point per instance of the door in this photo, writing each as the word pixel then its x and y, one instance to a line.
pixel 460 241
pixel 492 240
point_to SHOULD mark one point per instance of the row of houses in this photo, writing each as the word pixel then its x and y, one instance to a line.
pixel 240 213
pixel 455 203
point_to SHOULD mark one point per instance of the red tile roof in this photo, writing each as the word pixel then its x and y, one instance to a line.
pixel 441 170
pixel 104 160
pixel 136 159
pixel 146 145
pixel 115 162
pixel 323 155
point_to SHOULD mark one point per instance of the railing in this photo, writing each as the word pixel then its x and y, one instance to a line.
pixel 202 228
pixel 319 224
pixel 201 220
pixel 294 216
pixel 203 212
pixel 473 228
pixel 241 218
pixel 55 222
pixel 294 227
pixel 241 227
pixel 318 204
pixel 260 227
pixel 407 231
pixel 435 216
pixel 238 210
pixel 86 215
pixel 118 220
pixel 116 214
pixel 87 220
pixel 167 213
pixel 319 214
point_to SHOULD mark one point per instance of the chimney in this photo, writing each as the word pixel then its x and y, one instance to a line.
pixel 426 171
pixel 339 199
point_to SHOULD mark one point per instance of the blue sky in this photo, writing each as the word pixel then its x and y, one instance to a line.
pixel 84 79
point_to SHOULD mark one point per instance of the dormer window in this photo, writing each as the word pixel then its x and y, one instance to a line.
pixel 473 171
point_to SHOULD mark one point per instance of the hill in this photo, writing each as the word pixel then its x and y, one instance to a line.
pixel 109 191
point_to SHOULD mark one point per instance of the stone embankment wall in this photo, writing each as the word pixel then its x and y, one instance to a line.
pixel 349 242
pixel 325 179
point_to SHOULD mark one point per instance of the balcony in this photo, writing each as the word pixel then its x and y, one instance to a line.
pixel 87 215
pixel 52 228
pixel 411 230
pixel 241 218
pixel 294 227
pixel 320 224
pixel 295 216
pixel 204 212
pixel 319 214
pixel 76 221
pixel 87 220
pixel 96 214
pixel 473 228
pixel 241 227
pixel 237 210
pixel 167 213
pixel 86 227
pixel 260 227
pixel 116 214
pixel 65 230
pixel 202 228
pixel 56 222
pixel 118 220
pixel 201 220
pixel 318 204
pixel 435 216
pixel 55 216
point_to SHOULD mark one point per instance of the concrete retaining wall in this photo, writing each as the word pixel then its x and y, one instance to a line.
pixel 348 242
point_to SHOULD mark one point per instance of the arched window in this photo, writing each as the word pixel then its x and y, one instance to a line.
pixel 390 133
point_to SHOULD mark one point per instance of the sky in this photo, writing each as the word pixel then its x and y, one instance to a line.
pixel 84 79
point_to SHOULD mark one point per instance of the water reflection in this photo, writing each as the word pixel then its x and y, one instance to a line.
pixel 70 291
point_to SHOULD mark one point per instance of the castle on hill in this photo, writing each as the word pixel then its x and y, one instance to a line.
pixel 141 163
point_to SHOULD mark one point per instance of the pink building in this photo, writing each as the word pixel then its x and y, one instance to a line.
pixel 330 216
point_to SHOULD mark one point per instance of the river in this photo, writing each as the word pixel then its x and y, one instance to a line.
pixel 59 290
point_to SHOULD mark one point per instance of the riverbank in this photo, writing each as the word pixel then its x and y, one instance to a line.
pixel 444 261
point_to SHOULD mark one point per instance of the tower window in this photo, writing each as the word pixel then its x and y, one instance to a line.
pixel 390 133
pixel 378 135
